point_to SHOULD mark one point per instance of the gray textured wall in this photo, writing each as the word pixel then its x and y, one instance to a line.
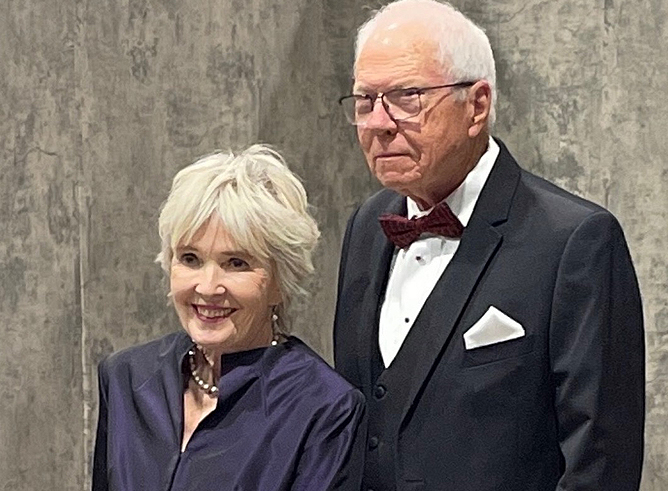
pixel 102 101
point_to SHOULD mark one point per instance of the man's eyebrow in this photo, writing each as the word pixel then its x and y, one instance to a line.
pixel 407 84
pixel 367 90
pixel 361 88
pixel 365 86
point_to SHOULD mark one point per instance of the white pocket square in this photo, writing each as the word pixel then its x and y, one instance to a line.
pixel 493 327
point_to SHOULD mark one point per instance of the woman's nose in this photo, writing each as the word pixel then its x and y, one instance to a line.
pixel 211 280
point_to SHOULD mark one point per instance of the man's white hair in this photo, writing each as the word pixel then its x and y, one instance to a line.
pixel 464 48
pixel 262 205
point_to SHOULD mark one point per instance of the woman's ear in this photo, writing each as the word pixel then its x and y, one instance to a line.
pixel 275 297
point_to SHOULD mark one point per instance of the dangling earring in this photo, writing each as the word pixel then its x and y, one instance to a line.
pixel 274 327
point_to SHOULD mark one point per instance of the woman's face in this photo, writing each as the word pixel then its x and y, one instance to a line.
pixel 222 295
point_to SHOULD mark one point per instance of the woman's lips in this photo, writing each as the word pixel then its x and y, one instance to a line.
pixel 209 313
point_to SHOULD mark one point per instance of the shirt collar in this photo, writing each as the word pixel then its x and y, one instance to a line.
pixel 463 199
pixel 240 368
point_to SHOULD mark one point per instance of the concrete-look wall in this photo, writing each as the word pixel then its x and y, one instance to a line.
pixel 102 101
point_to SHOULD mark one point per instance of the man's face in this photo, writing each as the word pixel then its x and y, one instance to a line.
pixel 426 156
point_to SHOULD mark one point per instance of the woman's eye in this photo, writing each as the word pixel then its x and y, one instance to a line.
pixel 189 259
pixel 237 263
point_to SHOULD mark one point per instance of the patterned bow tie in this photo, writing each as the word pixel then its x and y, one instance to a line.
pixel 403 232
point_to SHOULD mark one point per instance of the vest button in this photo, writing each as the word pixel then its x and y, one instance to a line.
pixel 373 442
pixel 380 391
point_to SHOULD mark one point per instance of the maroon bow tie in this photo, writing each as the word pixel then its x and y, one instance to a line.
pixel 403 232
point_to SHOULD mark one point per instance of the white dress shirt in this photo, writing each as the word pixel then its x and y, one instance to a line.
pixel 416 269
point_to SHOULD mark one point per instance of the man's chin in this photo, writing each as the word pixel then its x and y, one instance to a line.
pixel 399 183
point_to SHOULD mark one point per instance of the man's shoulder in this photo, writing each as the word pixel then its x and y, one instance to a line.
pixel 380 202
pixel 554 206
pixel 537 195
pixel 381 198
pixel 560 195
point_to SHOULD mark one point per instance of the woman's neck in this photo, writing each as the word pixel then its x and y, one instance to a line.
pixel 208 364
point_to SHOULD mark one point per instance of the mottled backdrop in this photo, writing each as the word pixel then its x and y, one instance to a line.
pixel 101 101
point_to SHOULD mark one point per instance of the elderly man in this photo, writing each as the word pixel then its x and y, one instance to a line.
pixel 492 319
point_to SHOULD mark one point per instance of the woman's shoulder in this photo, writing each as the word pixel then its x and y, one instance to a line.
pixel 302 371
pixel 144 357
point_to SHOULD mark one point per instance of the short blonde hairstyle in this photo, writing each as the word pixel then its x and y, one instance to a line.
pixel 263 207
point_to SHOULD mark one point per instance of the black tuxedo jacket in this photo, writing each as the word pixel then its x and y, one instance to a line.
pixel 561 408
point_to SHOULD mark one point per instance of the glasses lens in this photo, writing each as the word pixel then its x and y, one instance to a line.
pixel 357 108
pixel 402 104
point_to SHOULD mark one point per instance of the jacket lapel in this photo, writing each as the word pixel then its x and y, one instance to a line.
pixel 435 324
pixel 159 399
pixel 381 260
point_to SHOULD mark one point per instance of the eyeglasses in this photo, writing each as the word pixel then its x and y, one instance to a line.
pixel 400 104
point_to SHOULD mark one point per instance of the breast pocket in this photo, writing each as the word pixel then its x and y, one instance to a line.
pixel 496 352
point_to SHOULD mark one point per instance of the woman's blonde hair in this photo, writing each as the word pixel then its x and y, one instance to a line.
pixel 262 205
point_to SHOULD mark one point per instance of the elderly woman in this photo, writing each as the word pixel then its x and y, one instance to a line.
pixel 231 402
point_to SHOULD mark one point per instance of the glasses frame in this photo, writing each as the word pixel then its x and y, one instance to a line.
pixel 381 95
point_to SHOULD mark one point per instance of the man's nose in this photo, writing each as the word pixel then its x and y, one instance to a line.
pixel 211 280
pixel 379 118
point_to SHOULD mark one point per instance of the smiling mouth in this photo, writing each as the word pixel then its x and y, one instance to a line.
pixel 208 313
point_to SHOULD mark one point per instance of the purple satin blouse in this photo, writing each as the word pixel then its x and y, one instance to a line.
pixel 284 421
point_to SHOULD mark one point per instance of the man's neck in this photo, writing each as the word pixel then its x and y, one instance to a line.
pixel 429 198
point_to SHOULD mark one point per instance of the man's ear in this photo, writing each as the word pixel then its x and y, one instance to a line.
pixel 480 104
